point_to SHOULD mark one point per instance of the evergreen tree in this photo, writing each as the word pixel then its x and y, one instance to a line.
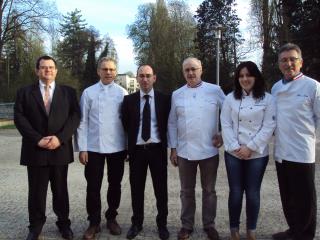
pixel 90 75
pixel 109 49
pixel 209 14
pixel 72 48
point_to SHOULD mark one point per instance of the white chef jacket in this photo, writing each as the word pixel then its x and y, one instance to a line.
pixel 193 120
pixel 248 121
pixel 154 134
pixel 100 127
pixel 298 112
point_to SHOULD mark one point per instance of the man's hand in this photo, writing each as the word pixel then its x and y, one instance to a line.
pixel 174 157
pixel 53 143
pixel 217 140
pixel 83 157
pixel 43 143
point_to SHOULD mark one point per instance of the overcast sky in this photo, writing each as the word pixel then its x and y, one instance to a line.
pixel 112 16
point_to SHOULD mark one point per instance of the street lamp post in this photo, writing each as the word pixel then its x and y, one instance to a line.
pixel 217 33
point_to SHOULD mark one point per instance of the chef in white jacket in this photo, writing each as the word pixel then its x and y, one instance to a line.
pixel 247 122
pixel 298 112
pixel 192 132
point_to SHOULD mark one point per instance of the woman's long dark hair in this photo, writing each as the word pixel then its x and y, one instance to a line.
pixel 259 87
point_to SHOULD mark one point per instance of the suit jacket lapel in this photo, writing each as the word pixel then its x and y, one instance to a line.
pixel 37 95
pixel 136 105
pixel 57 94
pixel 157 106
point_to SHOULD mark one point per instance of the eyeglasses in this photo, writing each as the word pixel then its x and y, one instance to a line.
pixel 145 75
pixel 47 67
pixel 108 69
pixel 190 70
pixel 289 59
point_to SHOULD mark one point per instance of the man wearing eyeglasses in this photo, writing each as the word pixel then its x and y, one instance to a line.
pixel 193 139
pixel 298 111
pixel 145 117
pixel 47 114
pixel 101 138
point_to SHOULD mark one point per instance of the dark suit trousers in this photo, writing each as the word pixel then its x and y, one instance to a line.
pixel 94 171
pixel 298 197
pixel 38 179
pixel 156 159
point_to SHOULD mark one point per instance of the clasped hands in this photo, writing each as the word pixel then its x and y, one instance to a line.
pixel 49 142
pixel 243 152
pixel 217 142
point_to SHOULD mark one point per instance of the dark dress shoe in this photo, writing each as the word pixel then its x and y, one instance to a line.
pixel 163 233
pixel 184 233
pixel 133 231
pixel 286 235
pixel 66 233
pixel 212 233
pixel 113 227
pixel 91 232
pixel 32 236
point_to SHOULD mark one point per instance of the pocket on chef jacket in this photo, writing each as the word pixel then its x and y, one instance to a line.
pixel 302 101
pixel 180 109
pixel 209 104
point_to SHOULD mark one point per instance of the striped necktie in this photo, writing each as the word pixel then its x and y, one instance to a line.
pixel 46 98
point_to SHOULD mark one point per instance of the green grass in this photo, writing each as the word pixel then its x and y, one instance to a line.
pixel 10 126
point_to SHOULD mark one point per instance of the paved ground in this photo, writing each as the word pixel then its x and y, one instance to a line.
pixel 13 199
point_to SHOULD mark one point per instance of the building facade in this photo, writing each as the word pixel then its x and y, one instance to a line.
pixel 129 83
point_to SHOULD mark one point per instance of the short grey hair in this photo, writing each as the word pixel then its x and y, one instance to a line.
pixel 192 59
pixel 106 59
pixel 290 46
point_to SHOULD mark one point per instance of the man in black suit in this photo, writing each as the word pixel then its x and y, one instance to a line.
pixel 46 115
pixel 145 117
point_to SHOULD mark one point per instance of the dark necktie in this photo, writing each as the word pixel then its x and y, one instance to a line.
pixel 146 120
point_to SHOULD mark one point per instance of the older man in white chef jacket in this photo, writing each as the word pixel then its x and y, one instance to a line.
pixel 298 113
pixel 193 138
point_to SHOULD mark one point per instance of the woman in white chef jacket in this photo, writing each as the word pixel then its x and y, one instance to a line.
pixel 247 122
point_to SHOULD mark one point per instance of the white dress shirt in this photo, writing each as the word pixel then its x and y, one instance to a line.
pixel 193 120
pixel 248 121
pixel 51 89
pixel 100 127
pixel 298 113
pixel 154 137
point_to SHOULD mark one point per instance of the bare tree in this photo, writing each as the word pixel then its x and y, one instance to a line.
pixel 26 15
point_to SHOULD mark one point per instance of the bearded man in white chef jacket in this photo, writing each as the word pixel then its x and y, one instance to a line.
pixel 193 139
pixel 298 111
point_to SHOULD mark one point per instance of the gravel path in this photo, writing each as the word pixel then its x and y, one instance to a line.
pixel 13 199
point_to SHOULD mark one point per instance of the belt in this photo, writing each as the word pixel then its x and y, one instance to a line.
pixel 148 146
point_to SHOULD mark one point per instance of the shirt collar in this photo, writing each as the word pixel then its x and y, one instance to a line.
pixel 151 93
pixel 106 86
pixel 198 85
pixel 245 94
pixel 51 85
pixel 285 81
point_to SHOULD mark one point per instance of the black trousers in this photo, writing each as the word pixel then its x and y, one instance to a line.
pixel 156 158
pixel 38 179
pixel 298 197
pixel 94 171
